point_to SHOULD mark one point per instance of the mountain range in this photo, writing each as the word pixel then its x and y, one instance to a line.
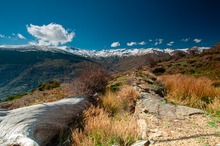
pixel 23 68
pixel 98 53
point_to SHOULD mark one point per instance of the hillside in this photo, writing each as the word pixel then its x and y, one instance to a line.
pixel 206 63
pixel 22 71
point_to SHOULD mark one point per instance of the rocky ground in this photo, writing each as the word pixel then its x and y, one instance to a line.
pixel 164 124
pixel 189 127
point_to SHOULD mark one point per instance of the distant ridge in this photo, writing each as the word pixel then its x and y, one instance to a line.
pixel 97 53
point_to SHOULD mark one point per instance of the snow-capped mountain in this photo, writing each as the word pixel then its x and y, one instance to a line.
pixel 98 53
pixel 21 67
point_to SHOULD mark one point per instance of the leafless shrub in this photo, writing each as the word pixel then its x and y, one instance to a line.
pixel 91 80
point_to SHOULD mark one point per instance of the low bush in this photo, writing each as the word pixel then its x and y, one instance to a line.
pixel 115 87
pixel 10 98
pixel 92 79
pixel 49 85
pixel 159 70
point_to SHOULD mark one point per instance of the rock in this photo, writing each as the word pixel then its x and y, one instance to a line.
pixel 154 136
pixel 137 88
pixel 156 105
pixel 160 90
pixel 143 128
pixel 141 143
pixel 39 124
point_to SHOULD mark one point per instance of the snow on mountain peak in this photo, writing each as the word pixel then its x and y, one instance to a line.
pixel 94 53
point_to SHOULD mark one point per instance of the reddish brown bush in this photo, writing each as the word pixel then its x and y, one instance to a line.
pixel 92 79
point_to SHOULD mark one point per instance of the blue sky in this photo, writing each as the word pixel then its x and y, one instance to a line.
pixel 105 24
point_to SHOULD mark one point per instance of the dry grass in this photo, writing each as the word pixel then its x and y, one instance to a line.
pixel 123 100
pixel 193 91
pixel 102 129
pixel 111 123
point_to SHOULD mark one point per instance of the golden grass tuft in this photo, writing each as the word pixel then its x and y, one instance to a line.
pixel 102 129
pixel 193 91
pixel 111 123
pixel 123 100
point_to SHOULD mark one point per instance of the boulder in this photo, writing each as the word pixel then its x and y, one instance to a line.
pixel 38 125
pixel 154 104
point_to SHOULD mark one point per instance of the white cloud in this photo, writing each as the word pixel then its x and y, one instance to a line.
pixel 20 36
pixel 51 34
pixel 131 44
pixel 158 41
pixel 32 43
pixel 197 40
pixel 2 36
pixel 142 43
pixel 115 44
pixel 170 43
pixel 185 40
pixel 150 40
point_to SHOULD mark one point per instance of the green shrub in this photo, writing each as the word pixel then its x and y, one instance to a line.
pixel 115 87
pixel 159 70
pixel 49 85
pixel 10 98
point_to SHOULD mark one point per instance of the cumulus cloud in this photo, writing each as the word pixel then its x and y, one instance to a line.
pixel 197 40
pixel 170 43
pixel 115 44
pixel 150 40
pixel 131 44
pixel 185 40
pixel 20 36
pixel 158 42
pixel 142 43
pixel 51 34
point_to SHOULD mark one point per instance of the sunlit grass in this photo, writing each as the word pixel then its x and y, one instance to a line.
pixel 112 122
pixel 197 92
pixel 103 129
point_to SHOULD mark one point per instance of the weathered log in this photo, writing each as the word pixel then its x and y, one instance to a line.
pixel 37 125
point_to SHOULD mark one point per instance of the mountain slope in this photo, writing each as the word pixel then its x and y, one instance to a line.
pixel 23 71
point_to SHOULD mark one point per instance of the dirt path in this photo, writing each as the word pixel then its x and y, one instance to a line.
pixel 164 124
pixel 194 130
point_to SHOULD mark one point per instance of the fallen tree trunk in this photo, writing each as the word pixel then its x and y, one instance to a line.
pixel 37 125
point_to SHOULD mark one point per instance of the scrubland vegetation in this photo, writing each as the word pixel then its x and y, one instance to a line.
pixel 198 92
